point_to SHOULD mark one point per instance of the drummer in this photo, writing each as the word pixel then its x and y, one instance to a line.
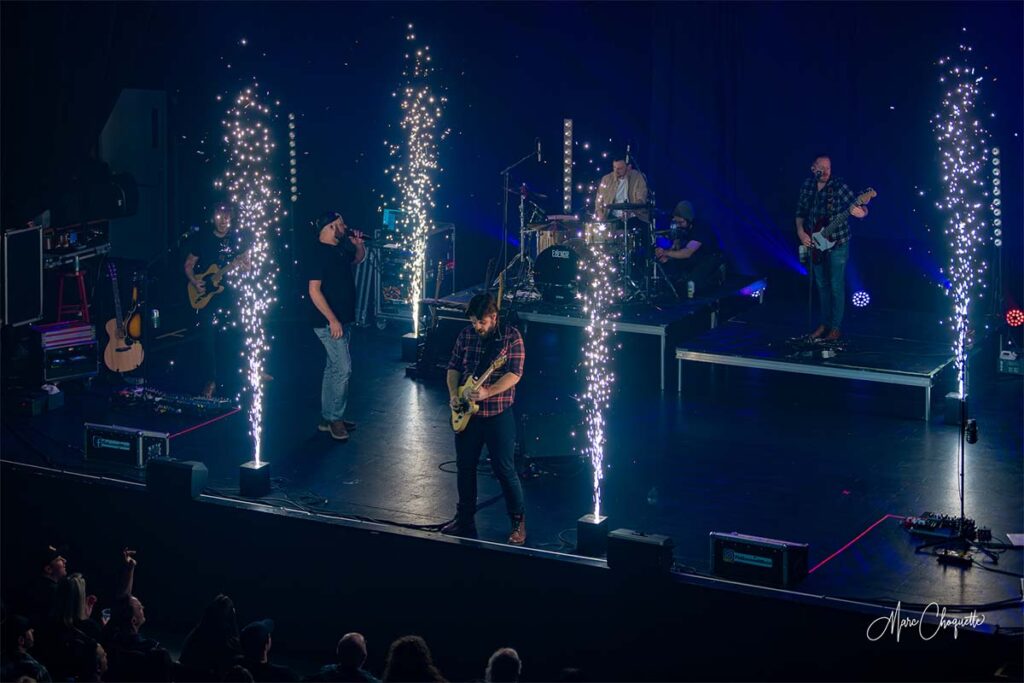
pixel 623 185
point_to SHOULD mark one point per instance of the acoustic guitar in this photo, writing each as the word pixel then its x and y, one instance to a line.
pixel 468 407
pixel 123 354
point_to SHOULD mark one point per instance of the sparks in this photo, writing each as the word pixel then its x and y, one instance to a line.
pixel 598 289
pixel 416 167
pixel 963 148
pixel 250 184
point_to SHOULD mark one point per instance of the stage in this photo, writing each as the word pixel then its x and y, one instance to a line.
pixel 800 459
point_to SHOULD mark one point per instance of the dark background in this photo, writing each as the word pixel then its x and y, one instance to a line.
pixel 723 104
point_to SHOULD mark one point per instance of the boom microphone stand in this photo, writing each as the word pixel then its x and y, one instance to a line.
pixel 504 215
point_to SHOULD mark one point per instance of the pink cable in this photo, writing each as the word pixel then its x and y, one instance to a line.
pixel 203 424
pixel 857 538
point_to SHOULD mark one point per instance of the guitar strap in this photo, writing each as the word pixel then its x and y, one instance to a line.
pixel 491 348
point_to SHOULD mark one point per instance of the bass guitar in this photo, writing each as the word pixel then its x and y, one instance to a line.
pixel 211 279
pixel 467 407
pixel 824 229
pixel 123 354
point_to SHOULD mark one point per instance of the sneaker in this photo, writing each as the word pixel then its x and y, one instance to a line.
pixel 338 431
pixel 820 332
pixel 325 426
pixel 518 535
pixel 458 527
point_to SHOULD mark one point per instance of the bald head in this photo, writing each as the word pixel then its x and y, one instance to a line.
pixel 351 650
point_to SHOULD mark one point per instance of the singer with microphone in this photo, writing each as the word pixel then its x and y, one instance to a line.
pixel 332 296
pixel 822 197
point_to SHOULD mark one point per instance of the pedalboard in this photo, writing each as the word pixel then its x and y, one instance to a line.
pixel 935 525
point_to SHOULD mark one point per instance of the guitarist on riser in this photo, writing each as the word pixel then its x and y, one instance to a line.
pixel 821 198
pixel 217 246
pixel 476 347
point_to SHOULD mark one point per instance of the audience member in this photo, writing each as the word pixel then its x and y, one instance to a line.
pixel 256 643
pixel 350 658
pixel 133 657
pixel 238 674
pixel 73 607
pixel 38 595
pixel 409 660
pixel 212 646
pixel 504 666
pixel 16 637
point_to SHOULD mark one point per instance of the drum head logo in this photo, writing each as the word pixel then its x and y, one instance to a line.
pixel 559 253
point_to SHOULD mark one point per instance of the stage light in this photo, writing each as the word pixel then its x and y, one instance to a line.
pixel 567 166
pixel 1015 317
pixel 997 242
pixel 861 299
pixel 997 232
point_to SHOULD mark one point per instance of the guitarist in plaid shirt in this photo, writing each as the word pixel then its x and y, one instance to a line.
pixel 476 347
pixel 822 197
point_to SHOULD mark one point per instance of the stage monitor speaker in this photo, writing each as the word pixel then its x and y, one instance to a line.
pixel 753 559
pixel 23 276
pixel 176 479
pixel 638 552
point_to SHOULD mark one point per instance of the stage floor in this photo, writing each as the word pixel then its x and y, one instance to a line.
pixel 783 456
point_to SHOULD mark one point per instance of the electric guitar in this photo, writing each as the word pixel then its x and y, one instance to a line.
pixel 211 279
pixel 468 407
pixel 823 230
pixel 122 353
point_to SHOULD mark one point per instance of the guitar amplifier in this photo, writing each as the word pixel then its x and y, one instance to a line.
pixel 124 445
pixel 66 350
pixel 753 559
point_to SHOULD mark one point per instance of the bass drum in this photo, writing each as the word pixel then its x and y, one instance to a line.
pixel 556 269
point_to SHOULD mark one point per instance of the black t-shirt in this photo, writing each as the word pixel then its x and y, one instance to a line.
pixel 212 249
pixel 332 265
pixel 698 233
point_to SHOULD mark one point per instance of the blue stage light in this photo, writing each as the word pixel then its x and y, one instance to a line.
pixel 861 299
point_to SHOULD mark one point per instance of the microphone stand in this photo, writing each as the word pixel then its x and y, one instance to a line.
pixel 504 219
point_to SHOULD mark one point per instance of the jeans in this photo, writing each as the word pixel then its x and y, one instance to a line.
pixel 832 285
pixel 499 434
pixel 334 391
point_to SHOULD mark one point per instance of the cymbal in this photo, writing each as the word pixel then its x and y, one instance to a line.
pixel 628 206
pixel 529 193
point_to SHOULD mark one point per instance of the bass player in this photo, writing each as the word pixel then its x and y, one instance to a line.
pixel 822 198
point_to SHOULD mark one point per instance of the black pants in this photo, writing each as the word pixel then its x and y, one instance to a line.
pixel 703 272
pixel 219 348
pixel 498 433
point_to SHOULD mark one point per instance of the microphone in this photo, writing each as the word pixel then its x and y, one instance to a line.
pixel 361 235
pixel 538 150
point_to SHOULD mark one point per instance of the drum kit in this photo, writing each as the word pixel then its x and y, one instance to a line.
pixel 558 248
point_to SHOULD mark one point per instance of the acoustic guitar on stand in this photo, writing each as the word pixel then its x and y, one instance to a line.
pixel 467 406
pixel 123 354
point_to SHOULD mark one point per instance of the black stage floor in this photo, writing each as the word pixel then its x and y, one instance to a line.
pixel 804 459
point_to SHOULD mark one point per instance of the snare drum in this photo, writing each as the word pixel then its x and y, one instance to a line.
pixel 603 232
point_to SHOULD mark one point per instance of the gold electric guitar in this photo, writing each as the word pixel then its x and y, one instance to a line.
pixel 467 407
pixel 211 278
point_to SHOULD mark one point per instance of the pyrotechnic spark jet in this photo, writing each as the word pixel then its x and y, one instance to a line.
pixel 963 148
pixel 599 289
pixel 250 183
pixel 416 167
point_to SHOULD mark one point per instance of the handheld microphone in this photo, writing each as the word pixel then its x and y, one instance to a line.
pixel 538 150
pixel 363 236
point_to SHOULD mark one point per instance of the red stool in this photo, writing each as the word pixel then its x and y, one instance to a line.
pixel 76 309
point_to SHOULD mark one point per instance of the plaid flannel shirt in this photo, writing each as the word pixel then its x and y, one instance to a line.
pixel 814 204
pixel 469 349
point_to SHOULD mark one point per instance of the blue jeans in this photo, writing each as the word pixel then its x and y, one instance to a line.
pixel 334 392
pixel 830 275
